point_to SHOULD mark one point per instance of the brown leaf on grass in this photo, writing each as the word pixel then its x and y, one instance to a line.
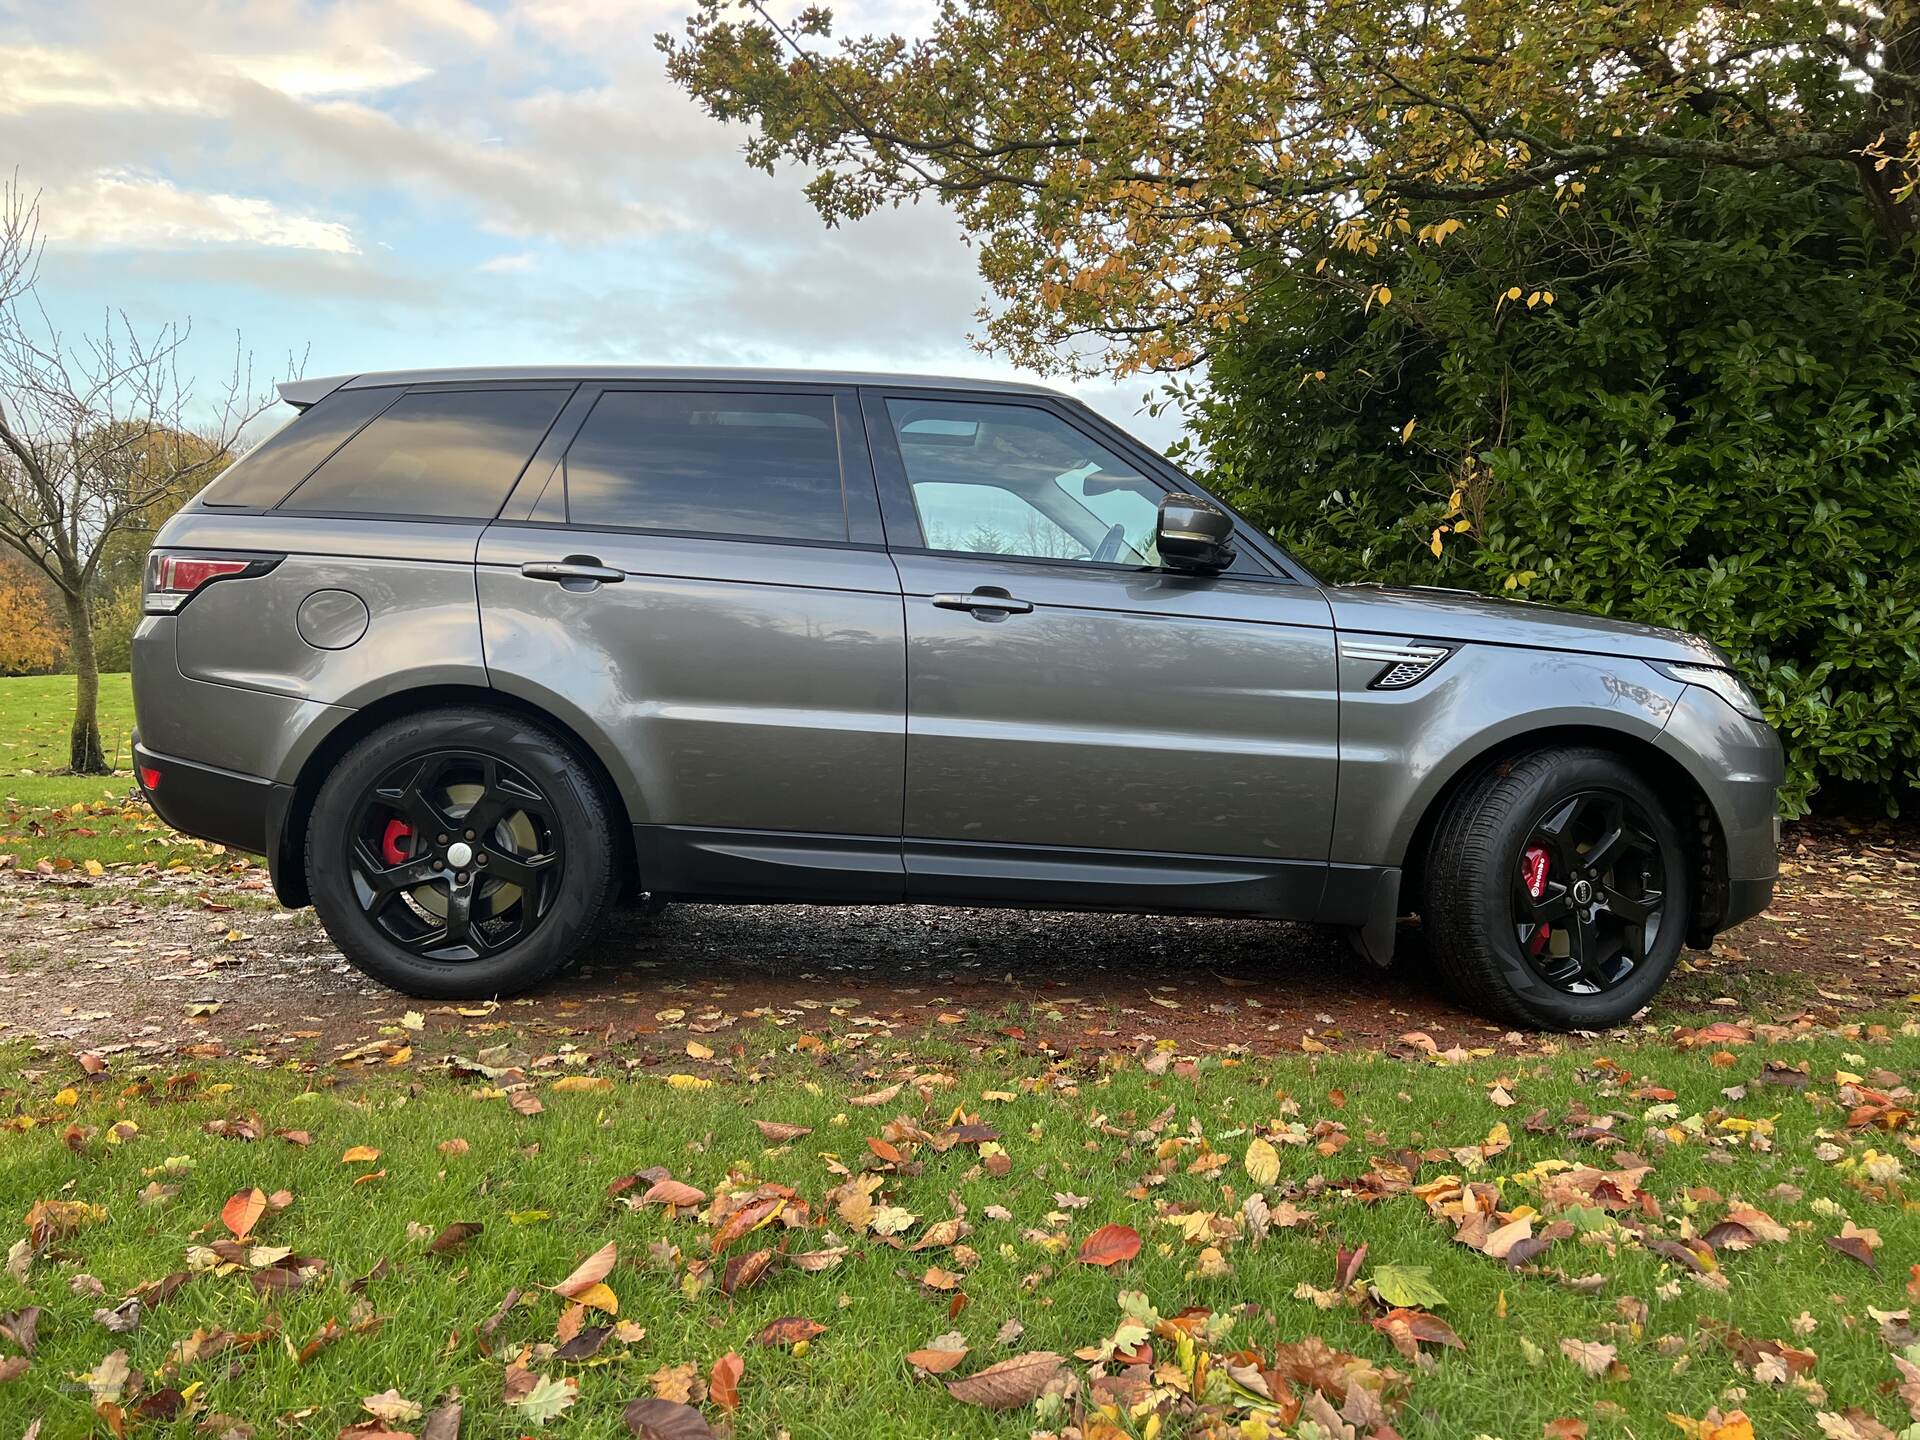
pixel 1564 1429
pixel 748 1218
pixel 525 1102
pixel 1347 1266
pixel 590 1272
pixel 243 1211
pixel 359 1155
pixel 670 1191
pixel 1410 1329
pixel 723 1381
pixel 444 1422
pixel 937 1358
pixel 391 1406
pixel 655 1419
pixel 789 1330
pixel 777 1132
pixel 1855 1248
pixel 585 1344
pixel 13 1367
pixel 454 1237
pixel 813 1261
pixel 1009 1384
pixel 678 1383
pixel 1107 1246
pixel 1590 1355
pixel 743 1272
pixel 22 1327
pixel 877 1097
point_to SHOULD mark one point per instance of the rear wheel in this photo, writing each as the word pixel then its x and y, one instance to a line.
pixel 1556 891
pixel 459 852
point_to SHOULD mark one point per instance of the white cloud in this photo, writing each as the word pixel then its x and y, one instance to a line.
pixel 123 210
pixel 518 264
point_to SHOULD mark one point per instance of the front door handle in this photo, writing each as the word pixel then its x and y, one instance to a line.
pixel 993 600
pixel 576 572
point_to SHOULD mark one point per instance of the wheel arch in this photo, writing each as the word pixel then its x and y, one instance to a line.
pixel 286 862
pixel 1692 813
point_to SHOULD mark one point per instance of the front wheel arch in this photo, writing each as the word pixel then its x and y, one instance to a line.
pixel 288 860
pixel 1690 811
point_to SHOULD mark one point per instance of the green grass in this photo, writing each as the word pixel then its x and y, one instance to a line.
pixel 539 1185
pixel 69 820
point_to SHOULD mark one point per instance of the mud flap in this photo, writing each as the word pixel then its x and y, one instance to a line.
pixel 1373 939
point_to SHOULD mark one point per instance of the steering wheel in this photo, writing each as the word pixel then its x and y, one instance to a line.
pixel 1109 550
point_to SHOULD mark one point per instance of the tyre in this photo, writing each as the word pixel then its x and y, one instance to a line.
pixel 1556 891
pixel 460 852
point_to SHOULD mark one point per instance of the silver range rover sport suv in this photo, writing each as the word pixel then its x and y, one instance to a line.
pixel 469 654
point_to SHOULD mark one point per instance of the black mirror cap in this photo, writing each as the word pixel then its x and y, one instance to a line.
pixel 1194 534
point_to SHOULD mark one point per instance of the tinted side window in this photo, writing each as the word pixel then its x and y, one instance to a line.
pixel 750 465
pixel 273 467
pixel 448 453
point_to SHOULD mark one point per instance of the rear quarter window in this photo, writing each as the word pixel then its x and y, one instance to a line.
pixel 447 454
pixel 263 476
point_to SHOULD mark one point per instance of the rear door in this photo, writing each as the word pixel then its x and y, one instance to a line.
pixel 1083 724
pixel 696 573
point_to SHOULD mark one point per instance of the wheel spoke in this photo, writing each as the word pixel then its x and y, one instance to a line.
pixel 526 871
pixel 384 879
pixel 1637 908
pixel 459 929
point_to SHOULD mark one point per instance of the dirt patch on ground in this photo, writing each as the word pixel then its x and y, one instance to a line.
pixel 157 965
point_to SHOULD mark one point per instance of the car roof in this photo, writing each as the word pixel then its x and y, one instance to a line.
pixel 303 393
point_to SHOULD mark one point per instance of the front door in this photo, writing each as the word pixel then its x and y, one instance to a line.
pixel 698 578
pixel 1083 723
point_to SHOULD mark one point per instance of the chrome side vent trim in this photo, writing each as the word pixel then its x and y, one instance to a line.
pixel 1403 665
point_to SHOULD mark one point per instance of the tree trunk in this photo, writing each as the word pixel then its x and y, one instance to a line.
pixel 88 756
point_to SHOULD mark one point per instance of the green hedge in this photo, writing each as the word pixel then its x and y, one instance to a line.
pixel 1714 424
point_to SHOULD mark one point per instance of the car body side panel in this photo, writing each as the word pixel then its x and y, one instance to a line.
pixel 1127 711
pixel 1400 748
pixel 743 686
pixel 415 579
pixel 251 732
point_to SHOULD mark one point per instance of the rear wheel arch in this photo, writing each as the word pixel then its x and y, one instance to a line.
pixel 289 860
pixel 1688 807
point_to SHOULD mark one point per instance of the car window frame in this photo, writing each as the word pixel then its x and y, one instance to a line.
pixel 540 498
pixel 1256 557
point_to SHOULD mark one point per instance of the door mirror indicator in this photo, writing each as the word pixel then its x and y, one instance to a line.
pixel 1194 534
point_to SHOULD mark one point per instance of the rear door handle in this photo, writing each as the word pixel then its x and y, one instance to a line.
pixel 997 601
pixel 576 572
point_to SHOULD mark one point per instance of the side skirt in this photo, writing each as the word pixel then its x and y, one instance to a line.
pixel 703 864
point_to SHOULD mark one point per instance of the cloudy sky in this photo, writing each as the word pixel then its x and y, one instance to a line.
pixel 422 182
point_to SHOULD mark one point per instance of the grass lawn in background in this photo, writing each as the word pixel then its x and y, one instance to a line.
pixel 77 821
pixel 1705 1234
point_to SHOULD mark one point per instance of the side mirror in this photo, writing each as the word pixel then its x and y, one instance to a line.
pixel 1194 534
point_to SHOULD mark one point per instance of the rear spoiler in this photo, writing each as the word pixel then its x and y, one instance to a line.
pixel 304 393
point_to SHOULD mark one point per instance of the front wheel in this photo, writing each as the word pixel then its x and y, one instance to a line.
pixel 459 853
pixel 1556 891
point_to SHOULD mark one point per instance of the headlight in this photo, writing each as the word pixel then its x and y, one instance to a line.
pixel 1723 683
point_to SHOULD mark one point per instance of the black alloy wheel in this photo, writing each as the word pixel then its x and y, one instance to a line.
pixel 1589 892
pixel 455 855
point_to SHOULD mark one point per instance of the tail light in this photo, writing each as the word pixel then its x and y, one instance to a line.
pixel 176 576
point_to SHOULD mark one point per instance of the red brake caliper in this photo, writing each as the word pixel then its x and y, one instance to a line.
pixel 1533 870
pixel 393 847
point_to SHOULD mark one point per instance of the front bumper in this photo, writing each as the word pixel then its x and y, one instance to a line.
pixel 243 812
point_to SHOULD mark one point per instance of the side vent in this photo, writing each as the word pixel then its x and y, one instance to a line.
pixel 1402 665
